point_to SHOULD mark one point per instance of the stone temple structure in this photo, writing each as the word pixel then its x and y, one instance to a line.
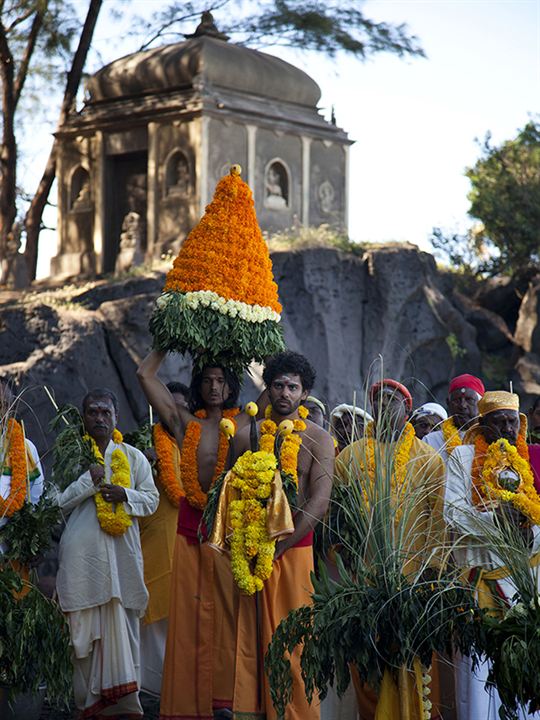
pixel 137 165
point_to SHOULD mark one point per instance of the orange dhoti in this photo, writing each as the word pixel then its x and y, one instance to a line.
pixel 288 587
pixel 198 672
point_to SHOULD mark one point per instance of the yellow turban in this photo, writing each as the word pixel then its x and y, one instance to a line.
pixel 498 400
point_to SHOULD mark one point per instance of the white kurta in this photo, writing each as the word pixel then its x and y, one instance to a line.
pixel 436 440
pixel 95 567
pixel 473 702
pixel 36 484
pixel 101 588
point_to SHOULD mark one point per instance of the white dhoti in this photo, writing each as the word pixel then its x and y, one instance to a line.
pixel 106 674
pixel 475 700
pixel 153 642
pixel 336 708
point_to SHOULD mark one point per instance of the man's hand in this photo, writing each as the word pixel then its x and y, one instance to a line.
pixel 507 512
pixel 114 493
pixel 97 473
pixel 281 547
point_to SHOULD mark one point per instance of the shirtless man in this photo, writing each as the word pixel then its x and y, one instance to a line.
pixel 198 672
pixel 289 378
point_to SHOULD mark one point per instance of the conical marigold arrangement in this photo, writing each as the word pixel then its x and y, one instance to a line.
pixel 220 301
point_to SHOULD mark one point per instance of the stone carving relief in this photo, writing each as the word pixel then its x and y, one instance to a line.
pixel 130 252
pixel 276 186
pixel 178 175
pixel 80 198
pixel 326 195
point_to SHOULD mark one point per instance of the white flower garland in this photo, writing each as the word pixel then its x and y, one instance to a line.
pixel 233 308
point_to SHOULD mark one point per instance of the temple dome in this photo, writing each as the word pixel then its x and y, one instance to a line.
pixel 200 62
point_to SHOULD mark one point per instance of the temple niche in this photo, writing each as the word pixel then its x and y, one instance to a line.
pixel 139 163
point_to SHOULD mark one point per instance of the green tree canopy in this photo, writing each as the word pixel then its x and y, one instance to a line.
pixel 505 197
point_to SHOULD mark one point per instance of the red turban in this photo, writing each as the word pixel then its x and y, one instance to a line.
pixel 467 381
pixel 388 382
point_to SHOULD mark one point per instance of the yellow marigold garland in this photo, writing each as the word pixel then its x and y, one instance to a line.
pixel 452 438
pixel 290 446
pixel 189 467
pixel 495 456
pixel 252 550
pixel 402 456
pixel 17 458
pixel 112 517
pixel 164 446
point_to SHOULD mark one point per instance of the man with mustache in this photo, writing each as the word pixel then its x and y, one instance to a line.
pixel 100 580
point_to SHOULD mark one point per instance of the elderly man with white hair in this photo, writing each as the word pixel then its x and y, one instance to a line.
pixel 347 424
pixel 427 418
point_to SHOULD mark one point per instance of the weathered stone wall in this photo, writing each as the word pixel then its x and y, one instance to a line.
pixel 344 311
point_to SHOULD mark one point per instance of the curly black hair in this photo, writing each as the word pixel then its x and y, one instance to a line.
pixel 289 362
pixel 195 397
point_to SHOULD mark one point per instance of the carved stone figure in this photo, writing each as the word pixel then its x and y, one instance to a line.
pixel 130 243
pixel 326 197
pixel 275 192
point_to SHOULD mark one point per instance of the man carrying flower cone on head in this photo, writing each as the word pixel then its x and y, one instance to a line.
pixel 395 470
pixel 219 304
pixel 489 485
pixel 271 554
pixel 100 579
pixel 464 393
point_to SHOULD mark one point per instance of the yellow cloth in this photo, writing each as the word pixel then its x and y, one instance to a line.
pixel 425 475
pixel 498 400
pixel 158 536
pixel 279 520
pixel 486 598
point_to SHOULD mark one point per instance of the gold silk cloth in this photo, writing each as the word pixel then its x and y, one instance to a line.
pixel 279 519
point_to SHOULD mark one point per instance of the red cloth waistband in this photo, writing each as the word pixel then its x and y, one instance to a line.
pixel 306 541
pixel 189 519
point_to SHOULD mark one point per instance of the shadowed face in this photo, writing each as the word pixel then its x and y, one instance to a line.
pixel 390 408
pixel 214 387
pixel 286 393
pixel 315 413
pixel 463 406
pixel 501 424
pixel 348 428
pixel 534 419
pixel 180 400
pixel 99 417
pixel 424 424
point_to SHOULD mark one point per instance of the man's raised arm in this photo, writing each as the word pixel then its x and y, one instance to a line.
pixel 159 396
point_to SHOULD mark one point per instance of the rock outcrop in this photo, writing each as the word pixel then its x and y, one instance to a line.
pixel 387 311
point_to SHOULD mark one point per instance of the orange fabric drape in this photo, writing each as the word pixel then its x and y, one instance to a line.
pixel 288 587
pixel 198 672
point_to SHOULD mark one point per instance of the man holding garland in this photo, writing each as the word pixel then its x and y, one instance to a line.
pixel 21 475
pixel 158 535
pixel 464 393
pixel 488 475
pixel 100 578
pixel 417 469
pixel 201 637
pixel 306 457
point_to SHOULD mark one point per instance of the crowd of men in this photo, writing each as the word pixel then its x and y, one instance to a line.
pixel 155 607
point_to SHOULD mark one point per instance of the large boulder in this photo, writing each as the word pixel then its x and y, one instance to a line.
pixel 354 316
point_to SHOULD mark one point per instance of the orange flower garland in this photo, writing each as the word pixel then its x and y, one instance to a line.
pixel 189 468
pixel 165 446
pixel 228 231
pixel 452 438
pixel 17 455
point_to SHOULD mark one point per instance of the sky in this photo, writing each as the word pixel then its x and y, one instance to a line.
pixel 415 122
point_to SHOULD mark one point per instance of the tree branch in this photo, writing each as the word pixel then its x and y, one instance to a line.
pixel 22 73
